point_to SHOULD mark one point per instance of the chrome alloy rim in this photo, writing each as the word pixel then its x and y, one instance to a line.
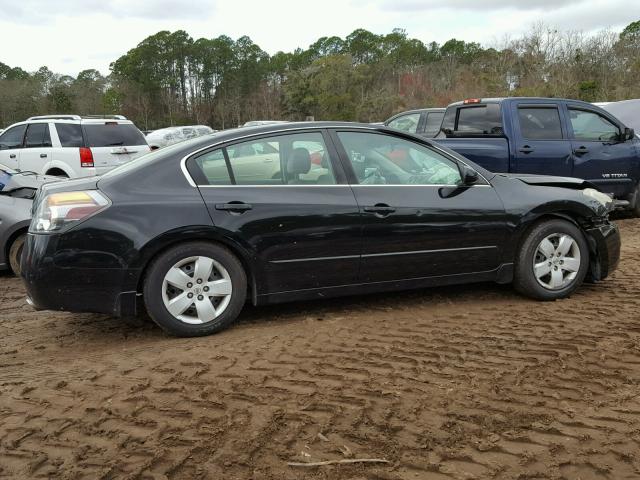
pixel 556 261
pixel 196 290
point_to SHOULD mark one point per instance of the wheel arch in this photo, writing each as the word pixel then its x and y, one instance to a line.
pixel 168 240
pixel 573 212
pixel 60 166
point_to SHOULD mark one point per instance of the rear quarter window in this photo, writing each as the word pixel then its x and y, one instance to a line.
pixel 113 135
pixel 70 134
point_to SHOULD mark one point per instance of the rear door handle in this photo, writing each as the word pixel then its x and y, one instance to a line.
pixel 526 149
pixel 380 209
pixel 43 155
pixel 581 150
pixel 12 155
pixel 234 206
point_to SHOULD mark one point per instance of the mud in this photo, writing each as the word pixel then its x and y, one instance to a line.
pixel 470 382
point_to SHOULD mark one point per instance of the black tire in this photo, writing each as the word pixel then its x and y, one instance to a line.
pixel 154 279
pixel 15 253
pixel 635 202
pixel 525 280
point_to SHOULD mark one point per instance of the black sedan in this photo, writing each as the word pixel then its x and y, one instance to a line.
pixel 301 211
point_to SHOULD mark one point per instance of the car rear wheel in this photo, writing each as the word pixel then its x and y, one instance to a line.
pixel 195 289
pixel 552 262
pixel 15 253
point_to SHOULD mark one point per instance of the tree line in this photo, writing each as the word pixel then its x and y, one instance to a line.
pixel 171 78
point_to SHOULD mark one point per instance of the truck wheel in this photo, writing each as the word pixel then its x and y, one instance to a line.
pixel 15 253
pixel 635 202
pixel 552 262
pixel 195 289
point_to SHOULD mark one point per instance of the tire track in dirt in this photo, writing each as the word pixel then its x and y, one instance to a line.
pixel 451 383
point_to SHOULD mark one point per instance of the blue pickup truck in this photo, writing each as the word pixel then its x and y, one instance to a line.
pixel 549 136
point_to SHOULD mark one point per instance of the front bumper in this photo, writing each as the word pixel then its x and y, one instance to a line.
pixel 52 286
pixel 604 242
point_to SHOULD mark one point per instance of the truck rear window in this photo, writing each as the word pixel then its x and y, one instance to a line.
pixel 113 135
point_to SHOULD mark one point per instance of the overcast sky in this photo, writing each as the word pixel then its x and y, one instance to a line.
pixel 71 35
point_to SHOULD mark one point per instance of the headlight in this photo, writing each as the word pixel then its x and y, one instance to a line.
pixel 59 210
pixel 602 198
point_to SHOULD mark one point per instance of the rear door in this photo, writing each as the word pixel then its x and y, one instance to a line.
pixel 541 144
pixel 37 150
pixel 11 142
pixel 113 143
pixel 417 222
pixel 303 230
pixel 600 155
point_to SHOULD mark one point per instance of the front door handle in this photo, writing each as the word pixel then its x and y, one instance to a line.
pixel 43 155
pixel 237 207
pixel 581 150
pixel 12 155
pixel 526 149
pixel 380 209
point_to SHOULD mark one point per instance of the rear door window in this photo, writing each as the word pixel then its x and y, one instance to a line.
pixel 540 123
pixel 296 159
pixel 70 134
pixel 38 136
pixel 13 137
pixel 113 135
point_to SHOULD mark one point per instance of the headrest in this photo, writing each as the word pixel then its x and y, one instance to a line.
pixel 299 162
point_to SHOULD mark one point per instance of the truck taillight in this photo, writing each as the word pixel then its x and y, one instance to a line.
pixel 86 157
pixel 472 100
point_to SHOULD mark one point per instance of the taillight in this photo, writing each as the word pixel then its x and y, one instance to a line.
pixel 472 100
pixel 86 157
pixel 59 210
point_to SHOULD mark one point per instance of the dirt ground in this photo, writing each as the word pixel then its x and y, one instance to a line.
pixel 470 382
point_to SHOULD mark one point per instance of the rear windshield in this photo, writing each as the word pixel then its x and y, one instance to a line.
pixel 113 135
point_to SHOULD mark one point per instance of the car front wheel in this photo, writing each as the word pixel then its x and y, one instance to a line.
pixel 195 289
pixel 552 262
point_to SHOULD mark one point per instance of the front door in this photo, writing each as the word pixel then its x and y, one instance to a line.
pixel 37 149
pixel 417 221
pixel 600 155
pixel 298 218
pixel 11 142
pixel 541 144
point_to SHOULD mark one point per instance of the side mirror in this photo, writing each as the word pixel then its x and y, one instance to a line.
pixel 469 175
pixel 629 134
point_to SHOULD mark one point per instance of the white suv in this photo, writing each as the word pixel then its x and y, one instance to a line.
pixel 71 146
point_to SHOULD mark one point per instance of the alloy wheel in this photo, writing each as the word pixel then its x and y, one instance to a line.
pixel 556 261
pixel 196 290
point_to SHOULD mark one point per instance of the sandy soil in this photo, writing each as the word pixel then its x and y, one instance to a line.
pixel 470 382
